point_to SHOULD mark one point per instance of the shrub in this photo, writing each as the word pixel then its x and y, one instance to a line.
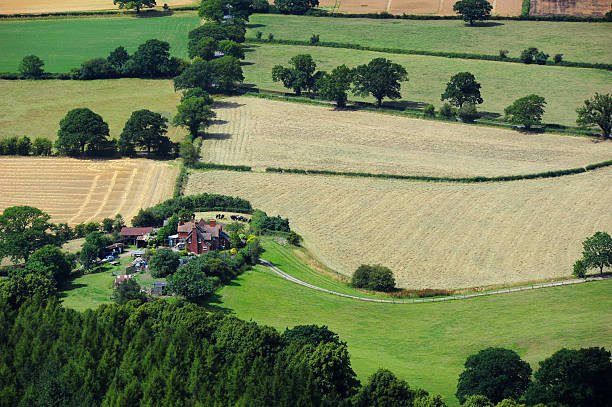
pixel 503 53
pixel 558 58
pixel 261 6
pixel 429 111
pixel 376 278
pixel 541 58
pixel 258 35
pixel 528 55
pixel 270 37
pixel 97 68
pixel 164 262
pixel 24 146
pixel 447 111
pixel 314 39
pixel 41 146
pixel 293 238
pixel 31 67
pixel 468 113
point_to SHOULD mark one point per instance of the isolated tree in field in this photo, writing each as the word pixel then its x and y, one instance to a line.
pixel 473 10
pixel 573 377
pixel 299 76
pixel 194 113
pixel 146 129
pixel 526 111
pixel 462 88
pixel 384 389
pixel 152 59
pixel 228 73
pixel 164 262
pixel 381 78
pixel 597 111
pixel 494 372
pixel 81 128
pixel 336 84
pixel 231 48
pixel 596 253
pixel 23 230
pixel 118 58
pixel 376 277
pixel 31 67
pixel 49 261
pixel 135 4
pixel 205 48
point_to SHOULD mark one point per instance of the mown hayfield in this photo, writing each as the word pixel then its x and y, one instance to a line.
pixel 434 7
pixel 591 8
pixel 66 43
pixel 434 235
pixel 54 6
pixel 584 42
pixel 35 108
pixel 264 133
pixel 75 191
pixel 427 344
pixel 564 88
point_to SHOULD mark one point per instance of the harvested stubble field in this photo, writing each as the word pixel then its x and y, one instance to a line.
pixel 35 108
pixel 54 6
pixel 265 133
pixel 580 42
pixel 75 191
pixel 67 42
pixel 434 7
pixel 588 8
pixel 434 235
pixel 564 88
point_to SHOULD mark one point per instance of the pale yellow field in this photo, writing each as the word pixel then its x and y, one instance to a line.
pixel 53 6
pixel 264 133
pixel 75 191
pixel 439 235
pixel 35 108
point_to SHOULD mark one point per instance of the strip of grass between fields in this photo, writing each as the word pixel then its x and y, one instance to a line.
pixel 466 180
pixel 444 54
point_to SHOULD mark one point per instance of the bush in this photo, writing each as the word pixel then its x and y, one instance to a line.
pixel 293 238
pixel 24 146
pixel 468 113
pixel 31 67
pixel 164 262
pixel 447 111
pixel 528 55
pixel 261 6
pixel 429 111
pixel 42 146
pixel 314 39
pixel 558 58
pixel 503 53
pixel 541 58
pixel 258 35
pixel 97 68
pixel 270 37
pixel 376 278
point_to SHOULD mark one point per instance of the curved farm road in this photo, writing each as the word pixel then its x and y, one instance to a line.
pixel 456 297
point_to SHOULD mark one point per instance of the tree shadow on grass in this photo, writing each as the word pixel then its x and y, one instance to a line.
pixel 489 115
pixel 255 25
pixel 217 136
pixel 218 122
pixel 69 286
pixel 213 303
pixel 249 48
pixel 484 24
pixel 222 104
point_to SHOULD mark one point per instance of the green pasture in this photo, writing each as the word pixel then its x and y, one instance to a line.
pixel 64 43
pixel 427 344
pixel 578 42
pixel 564 88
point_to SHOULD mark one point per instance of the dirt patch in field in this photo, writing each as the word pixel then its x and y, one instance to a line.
pixel 54 6
pixel 433 235
pixel 264 133
pixel 587 8
pixel 75 191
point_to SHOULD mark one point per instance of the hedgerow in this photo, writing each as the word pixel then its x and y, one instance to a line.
pixel 226 167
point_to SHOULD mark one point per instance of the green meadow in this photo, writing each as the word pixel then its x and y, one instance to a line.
pixel 579 42
pixel 64 43
pixel 427 344
pixel 564 88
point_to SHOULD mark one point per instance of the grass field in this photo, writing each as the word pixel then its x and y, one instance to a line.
pixel 66 43
pixel 52 6
pixel 35 108
pixel 265 133
pixel 427 344
pixel 581 42
pixel 564 88
pixel 76 191
pixel 432 235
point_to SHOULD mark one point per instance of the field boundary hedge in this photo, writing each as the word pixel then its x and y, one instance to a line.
pixel 445 54
pixel 225 167
pixel 143 13
pixel 466 180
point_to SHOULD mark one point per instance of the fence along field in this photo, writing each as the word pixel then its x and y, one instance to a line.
pixel 588 8
pixel 435 7
pixel 53 6
pixel 75 191
pixel 433 235
pixel 264 133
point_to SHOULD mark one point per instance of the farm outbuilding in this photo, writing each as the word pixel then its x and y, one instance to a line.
pixel 135 236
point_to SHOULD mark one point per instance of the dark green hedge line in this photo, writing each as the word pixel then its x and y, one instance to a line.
pixel 143 13
pixel 547 174
pixel 210 166
pixel 13 76
pixel 180 182
pixel 461 55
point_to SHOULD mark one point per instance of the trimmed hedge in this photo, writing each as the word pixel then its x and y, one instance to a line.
pixel 211 166
pixel 477 179
pixel 461 55
pixel 180 182
pixel 143 13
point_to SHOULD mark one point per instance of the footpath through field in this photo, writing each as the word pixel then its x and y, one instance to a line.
pixel 455 297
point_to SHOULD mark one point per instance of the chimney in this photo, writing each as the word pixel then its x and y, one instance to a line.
pixel 213 223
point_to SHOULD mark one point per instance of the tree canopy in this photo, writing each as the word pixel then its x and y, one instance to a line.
pixel 336 84
pixel 462 88
pixel 384 389
pixel 300 76
pixel 164 262
pixel 216 9
pixel 23 230
pixel 473 10
pixel 145 129
pixel 81 128
pixel 496 373
pixel 49 261
pixel 295 6
pixel 194 113
pixel 381 78
pixel 597 111
pixel 526 111
pixel 152 59
pixel 596 253
pixel 135 4
pixel 204 48
pixel 31 67
pixel 376 277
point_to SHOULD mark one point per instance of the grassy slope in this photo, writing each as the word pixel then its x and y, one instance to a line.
pixel 35 108
pixel 427 343
pixel 580 42
pixel 68 42
pixel 502 83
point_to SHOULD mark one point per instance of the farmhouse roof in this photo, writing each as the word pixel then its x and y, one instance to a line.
pixel 186 227
pixel 125 231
